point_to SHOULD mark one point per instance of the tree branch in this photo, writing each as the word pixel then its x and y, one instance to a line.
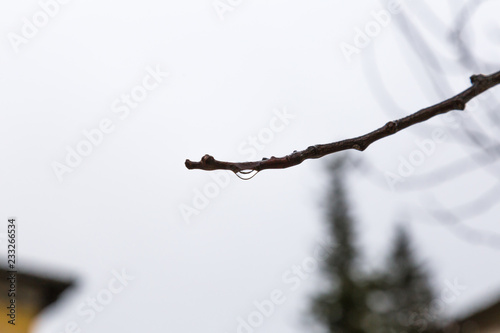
pixel 480 83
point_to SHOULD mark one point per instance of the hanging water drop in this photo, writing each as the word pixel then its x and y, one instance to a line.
pixel 246 174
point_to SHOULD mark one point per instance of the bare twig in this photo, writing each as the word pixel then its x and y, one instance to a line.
pixel 449 219
pixel 451 171
pixel 480 83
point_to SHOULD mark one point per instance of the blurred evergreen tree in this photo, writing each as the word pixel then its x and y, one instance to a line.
pixel 408 288
pixel 342 307
pixel 395 299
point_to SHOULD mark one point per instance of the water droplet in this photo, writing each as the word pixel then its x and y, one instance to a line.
pixel 246 174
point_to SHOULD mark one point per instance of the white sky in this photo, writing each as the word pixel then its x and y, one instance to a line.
pixel 120 207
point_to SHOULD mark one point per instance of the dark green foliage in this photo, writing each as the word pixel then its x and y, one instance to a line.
pixel 408 289
pixel 396 299
pixel 341 308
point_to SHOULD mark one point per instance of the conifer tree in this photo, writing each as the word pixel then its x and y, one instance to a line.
pixel 342 307
pixel 408 288
pixel 396 299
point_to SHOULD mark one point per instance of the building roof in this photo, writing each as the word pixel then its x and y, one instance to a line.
pixel 49 288
pixel 487 317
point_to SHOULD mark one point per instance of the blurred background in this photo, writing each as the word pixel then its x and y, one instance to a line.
pixel 103 102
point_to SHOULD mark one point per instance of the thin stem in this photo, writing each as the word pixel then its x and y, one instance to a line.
pixel 480 83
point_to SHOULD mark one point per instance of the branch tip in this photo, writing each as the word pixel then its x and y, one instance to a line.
pixel 480 83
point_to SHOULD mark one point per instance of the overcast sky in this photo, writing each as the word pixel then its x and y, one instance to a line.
pixel 103 101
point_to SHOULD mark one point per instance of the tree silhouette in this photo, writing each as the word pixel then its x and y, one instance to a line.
pixel 342 307
pixel 408 289
pixel 395 298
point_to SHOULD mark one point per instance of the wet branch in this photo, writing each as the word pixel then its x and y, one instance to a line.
pixel 480 83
